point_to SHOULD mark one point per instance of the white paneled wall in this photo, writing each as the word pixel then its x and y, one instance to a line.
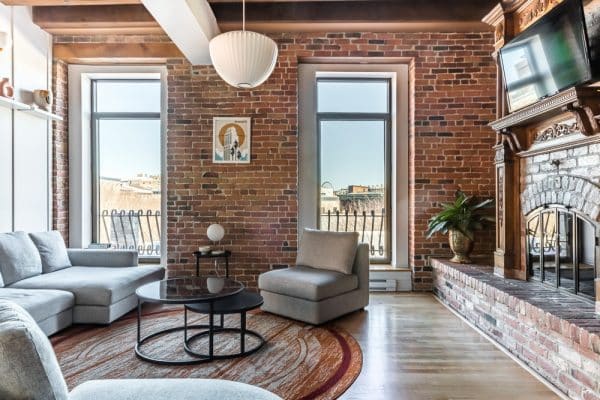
pixel 25 140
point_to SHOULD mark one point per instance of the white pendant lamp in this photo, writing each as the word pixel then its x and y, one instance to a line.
pixel 244 59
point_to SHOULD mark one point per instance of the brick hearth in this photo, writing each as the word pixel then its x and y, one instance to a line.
pixel 556 334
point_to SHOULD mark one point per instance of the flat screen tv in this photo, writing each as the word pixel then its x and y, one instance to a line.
pixel 549 56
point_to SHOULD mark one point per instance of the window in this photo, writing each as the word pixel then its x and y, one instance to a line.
pixel 354 146
pixel 126 159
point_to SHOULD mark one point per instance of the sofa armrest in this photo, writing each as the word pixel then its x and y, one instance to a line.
pixel 361 266
pixel 103 258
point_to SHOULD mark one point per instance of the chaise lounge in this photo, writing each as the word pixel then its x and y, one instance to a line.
pixel 60 286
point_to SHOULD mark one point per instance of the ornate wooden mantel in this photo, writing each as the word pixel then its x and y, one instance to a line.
pixel 537 127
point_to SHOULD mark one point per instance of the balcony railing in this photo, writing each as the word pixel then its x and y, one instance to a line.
pixel 369 225
pixel 132 230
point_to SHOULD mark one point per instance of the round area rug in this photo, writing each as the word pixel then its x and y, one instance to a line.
pixel 298 361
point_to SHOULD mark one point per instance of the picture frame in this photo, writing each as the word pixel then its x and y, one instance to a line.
pixel 231 140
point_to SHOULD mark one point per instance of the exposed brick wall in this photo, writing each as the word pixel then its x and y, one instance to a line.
pixel 455 79
pixel 60 150
pixel 454 85
pixel 554 333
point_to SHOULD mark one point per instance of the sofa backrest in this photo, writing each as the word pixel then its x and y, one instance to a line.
pixel 333 251
pixel 28 365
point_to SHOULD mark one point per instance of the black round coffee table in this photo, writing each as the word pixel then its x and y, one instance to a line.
pixel 185 291
pixel 240 303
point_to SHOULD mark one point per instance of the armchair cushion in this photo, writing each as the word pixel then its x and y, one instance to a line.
pixel 28 366
pixel 19 258
pixel 334 251
pixel 53 251
pixel 307 283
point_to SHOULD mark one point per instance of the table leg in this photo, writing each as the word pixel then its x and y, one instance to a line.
pixel 226 267
pixel 185 323
pixel 197 266
pixel 211 330
pixel 139 321
pixel 242 332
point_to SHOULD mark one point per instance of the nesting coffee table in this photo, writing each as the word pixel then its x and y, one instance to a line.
pixel 205 295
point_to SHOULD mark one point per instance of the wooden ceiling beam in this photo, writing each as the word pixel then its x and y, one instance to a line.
pixel 97 19
pixel 121 53
pixel 34 3
pixel 353 11
pixel 358 26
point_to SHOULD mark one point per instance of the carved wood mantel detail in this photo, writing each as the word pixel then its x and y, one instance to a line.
pixel 556 131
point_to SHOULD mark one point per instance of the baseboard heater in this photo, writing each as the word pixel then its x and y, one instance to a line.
pixel 385 285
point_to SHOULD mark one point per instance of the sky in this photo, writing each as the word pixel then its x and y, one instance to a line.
pixel 352 152
pixel 129 147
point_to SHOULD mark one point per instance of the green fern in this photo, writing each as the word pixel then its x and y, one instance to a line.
pixel 462 215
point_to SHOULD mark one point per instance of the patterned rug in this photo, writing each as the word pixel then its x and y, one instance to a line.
pixel 297 362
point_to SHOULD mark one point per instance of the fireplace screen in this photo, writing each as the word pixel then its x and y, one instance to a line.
pixel 561 250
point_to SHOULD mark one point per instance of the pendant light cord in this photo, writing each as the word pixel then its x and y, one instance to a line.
pixel 243 15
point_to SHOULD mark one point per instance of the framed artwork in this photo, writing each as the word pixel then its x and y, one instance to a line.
pixel 231 140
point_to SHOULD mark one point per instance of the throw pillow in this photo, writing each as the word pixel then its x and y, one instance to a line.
pixel 53 250
pixel 19 258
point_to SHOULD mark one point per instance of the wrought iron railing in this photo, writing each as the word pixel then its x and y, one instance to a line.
pixel 370 226
pixel 133 230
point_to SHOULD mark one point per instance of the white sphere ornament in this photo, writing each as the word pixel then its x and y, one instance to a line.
pixel 215 232
pixel 244 59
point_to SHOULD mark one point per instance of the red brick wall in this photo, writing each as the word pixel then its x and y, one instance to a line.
pixel 60 150
pixel 454 85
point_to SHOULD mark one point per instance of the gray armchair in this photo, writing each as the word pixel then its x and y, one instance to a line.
pixel 30 370
pixel 331 279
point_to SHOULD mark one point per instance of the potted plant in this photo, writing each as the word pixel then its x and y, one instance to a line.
pixel 460 219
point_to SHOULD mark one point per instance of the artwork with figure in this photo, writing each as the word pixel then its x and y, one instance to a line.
pixel 231 140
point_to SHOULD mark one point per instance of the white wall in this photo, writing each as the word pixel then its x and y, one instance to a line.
pixel 25 140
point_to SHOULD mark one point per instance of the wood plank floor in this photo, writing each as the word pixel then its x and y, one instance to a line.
pixel 415 348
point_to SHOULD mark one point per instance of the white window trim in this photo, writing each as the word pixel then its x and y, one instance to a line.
pixel 80 145
pixel 308 179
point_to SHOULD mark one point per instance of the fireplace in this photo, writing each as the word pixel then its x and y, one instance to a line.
pixel 561 249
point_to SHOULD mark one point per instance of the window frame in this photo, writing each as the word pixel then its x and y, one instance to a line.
pixel 95 118
pixel 386 118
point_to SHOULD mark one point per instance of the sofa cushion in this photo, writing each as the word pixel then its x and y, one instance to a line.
pixel 28 366
pixel 334 251
pixel 95 286
pixel 53 251
pixel 307 283
pixel 41 304
pixel 19 258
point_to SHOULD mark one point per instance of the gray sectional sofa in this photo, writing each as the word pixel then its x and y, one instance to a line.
pixel 60 286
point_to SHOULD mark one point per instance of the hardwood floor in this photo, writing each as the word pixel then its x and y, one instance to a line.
pixel 415 348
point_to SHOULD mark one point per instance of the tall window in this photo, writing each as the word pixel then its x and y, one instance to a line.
pixel 126 142
pixel 354 142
